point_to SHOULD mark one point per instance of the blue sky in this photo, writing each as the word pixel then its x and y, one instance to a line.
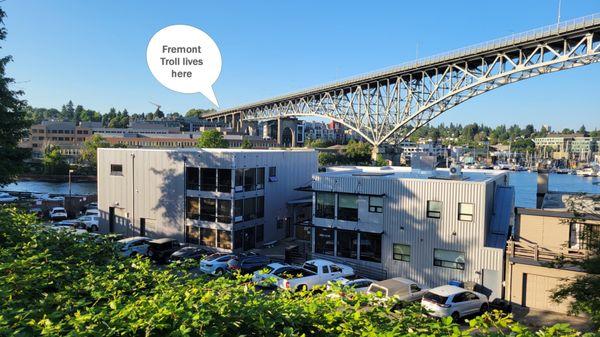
pixel 93 52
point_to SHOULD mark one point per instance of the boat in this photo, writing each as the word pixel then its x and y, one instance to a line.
pixel 587 172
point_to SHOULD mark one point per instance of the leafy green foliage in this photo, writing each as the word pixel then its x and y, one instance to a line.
pixel 246 144
pixel 57 284
pixel 53 161
pixel 13 123
pixel 89 152
pixel 198 112
pixel 212 139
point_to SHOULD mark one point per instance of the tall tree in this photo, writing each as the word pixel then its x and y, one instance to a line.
pixel 13 122
pixel 89 152
pixel 53 161
pixel 212 139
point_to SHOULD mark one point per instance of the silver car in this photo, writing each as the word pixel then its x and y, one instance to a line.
pixel 215 264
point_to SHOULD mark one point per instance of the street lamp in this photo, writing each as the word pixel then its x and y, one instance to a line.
pixel 70 171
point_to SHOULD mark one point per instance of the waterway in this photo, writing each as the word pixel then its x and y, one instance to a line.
pixel 524 182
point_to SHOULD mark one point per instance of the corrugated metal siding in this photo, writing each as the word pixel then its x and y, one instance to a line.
pixel 405 206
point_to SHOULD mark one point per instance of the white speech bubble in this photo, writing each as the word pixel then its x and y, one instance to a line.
pixel 185 59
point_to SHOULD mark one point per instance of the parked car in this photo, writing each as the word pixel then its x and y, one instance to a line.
pixel 137 245
pixel 453 301
pixel 312 273
pixel 58 213
pixel 160 250
pixel 360 285
pixel 91 205
pixel 189 253
pixel 268 271
pixel 55 198
pixel 248 263
pixel 215 264
pixel 92 212
pixel 399 288
pixel 90 222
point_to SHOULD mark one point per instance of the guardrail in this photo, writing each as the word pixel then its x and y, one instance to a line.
pixel 538 253
pixel 530 35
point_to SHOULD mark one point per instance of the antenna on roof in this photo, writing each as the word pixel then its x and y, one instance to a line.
pixel 157 105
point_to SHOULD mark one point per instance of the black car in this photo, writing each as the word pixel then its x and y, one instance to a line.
pixel 248 263
pixel 189 253
pixel 160 250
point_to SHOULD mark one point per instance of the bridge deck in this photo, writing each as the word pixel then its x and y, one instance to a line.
pixel 564 28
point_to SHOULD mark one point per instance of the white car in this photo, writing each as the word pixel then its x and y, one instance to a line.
pixel 269 271
pixel 453 301
pixel 58 213
pixel 137 245
pixel 401 289
pixel 5 197
pixel 92 212
pixel 359 285
pixel 312 273
pixel 91 222
pixel 215 264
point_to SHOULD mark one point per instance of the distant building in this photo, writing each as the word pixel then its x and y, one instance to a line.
pixel 542 235
pixel 431 227
pixel 67 135
pixel 428 148
pixel 566 146
pixel 226 199
pixel 130 138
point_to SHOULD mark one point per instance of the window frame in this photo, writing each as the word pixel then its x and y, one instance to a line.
pixel 114 171
pixel 461 215
pixel 437 262
pixel 324 212
pixel 375 208
pixel 347 213
pixel 402 257
pixel 430 213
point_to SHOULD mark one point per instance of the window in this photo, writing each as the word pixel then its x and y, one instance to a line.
pixel 449 259
pixel 260 233
pixel 303 233
pixel 192 208
pixel 414 288
pixel 324 241
pixel 260 207
pixel 370 247
pixel 347 244
pixel 434 209
pixel 465 211
pixel 238 210
pixel 273 174
pixel 239 180
pixel 208 237
pixel 192 235
pixel 401 252
pixel 347 207
pixel 116 170
pixel 192 178
pixel 260 178
pixel 325 205
pixel 249 209
pixel 336 269
pixel 208 178
pixel 224 211
pixel 224 239
pixel 376 204
pixel 224 184
pixel 325 269
pixel 249 179
pixel 208 209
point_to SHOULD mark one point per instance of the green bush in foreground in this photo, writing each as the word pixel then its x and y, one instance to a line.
pixel 58 284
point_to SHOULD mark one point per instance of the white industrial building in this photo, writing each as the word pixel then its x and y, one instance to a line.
pixel 228 199
pixel 428 226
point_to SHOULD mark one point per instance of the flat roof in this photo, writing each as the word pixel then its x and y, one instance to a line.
pixel 199 150
pixel 401 172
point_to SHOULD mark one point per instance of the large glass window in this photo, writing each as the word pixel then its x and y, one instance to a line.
pixel 238 239
pixel 434 209
pixel 208 237
pixel 465 211
pixel 303 232
pixel 260 233
pixel 224 239
pixel 370 247
pixel 348 207
pixel 192 208
pixel 401 252
pixel 325 207
pixel 208 209
pixel 324 240
pixel 273 174
pixel 449 259
pixel 347 244
pixel 238 210
pixel 260 207
pixel 208 179
pixel 239 180
pixel 260 178
pixel 224 211
pixel 249 179
pixel 249 209
pixel 192 235
pixel 224 184
pixel 192 178
pixel 376 204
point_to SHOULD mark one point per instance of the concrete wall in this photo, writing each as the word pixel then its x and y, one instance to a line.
pixel 405 222
pixel 152 186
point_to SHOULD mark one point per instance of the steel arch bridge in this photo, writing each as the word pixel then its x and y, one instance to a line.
pixel 388 106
